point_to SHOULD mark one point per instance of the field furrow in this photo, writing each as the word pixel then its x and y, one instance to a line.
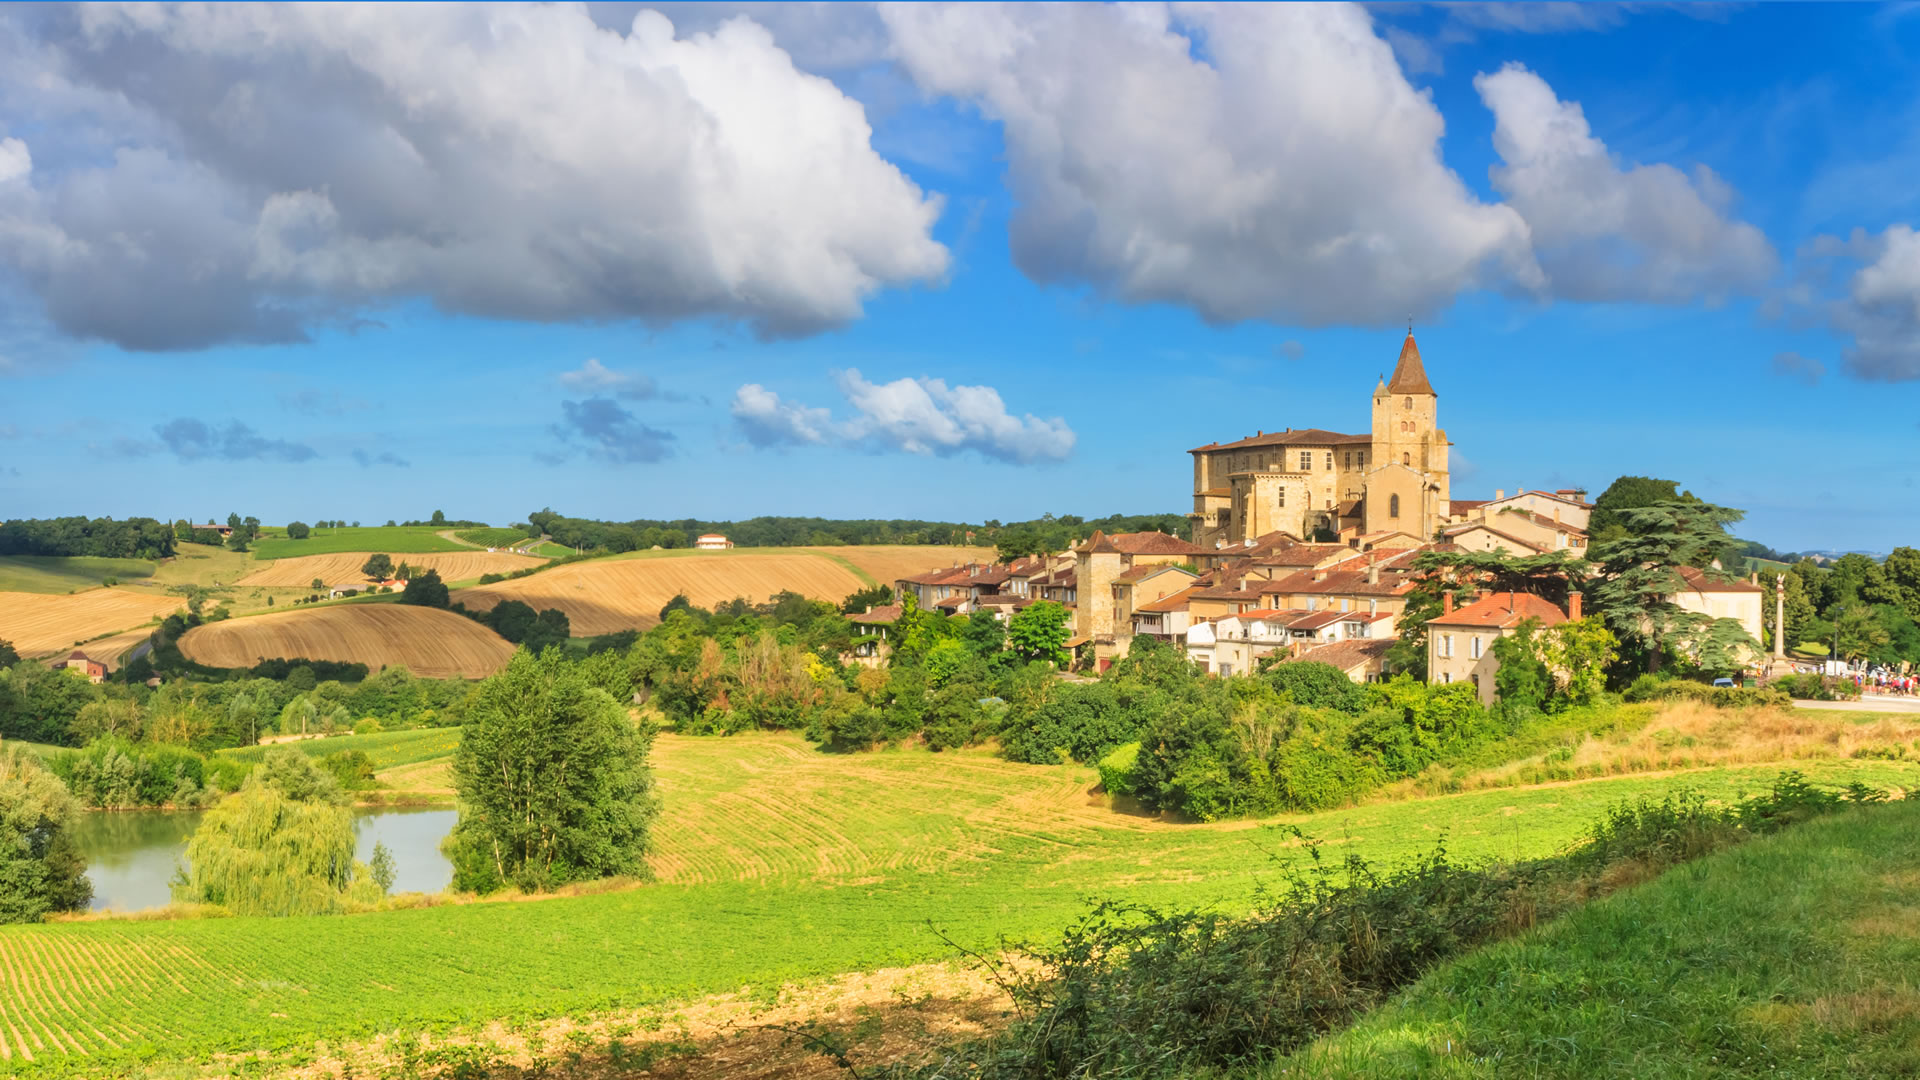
pixel 39 624
pixel 425 641
pixel 343 568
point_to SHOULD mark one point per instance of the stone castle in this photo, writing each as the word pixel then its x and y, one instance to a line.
pixel 1316 484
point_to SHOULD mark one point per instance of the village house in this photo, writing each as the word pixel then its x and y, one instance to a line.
pixel 1098 564
pixel 94 670
pixel 1739 599
pixel 873 633
pixel 1460 641
pixel 1361 661
pixel 711 542
pixel 1166 618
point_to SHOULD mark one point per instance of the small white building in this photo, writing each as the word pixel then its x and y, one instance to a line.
pixel 712 542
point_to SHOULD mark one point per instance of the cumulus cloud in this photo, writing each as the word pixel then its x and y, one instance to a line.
pixel 384 457
pixel 611 433
pixel 593 377
pixel 917 416
pixel 194 440
pixel 1248 161
pixel 1607 232
pixel 275 166
pixel 1880 306
pixel 1792 365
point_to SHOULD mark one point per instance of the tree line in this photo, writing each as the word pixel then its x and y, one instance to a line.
pixel 132 538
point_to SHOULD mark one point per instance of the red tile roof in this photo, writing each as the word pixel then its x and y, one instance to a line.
pixel 1347 655
pixel 1290 437
pixel 1409 375
pixel 884 615
pixel 1503 610
pixel 1466 506
pixel 1700 582
pixel 1172 602
pixel 1153 543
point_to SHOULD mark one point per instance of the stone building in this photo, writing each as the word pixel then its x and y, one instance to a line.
pixel 1460 642
pixel 1103 614
pixel 1313 483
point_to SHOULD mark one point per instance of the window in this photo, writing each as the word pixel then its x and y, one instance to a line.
pixel 1446 676
pixel 1407 460
pixel 1446 645
pixel 1474 650
pixel 1406 403
pixel 1226 671
pixel 1283 499
pixel 1393 506
pixel 1373 607
pixel 1345 604
pixel 1346 460
pixel 1306 461
pixel 1329 460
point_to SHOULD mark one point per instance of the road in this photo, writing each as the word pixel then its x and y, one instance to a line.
pixel 1885 703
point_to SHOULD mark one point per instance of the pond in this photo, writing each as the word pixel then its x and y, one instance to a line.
pixel 132 854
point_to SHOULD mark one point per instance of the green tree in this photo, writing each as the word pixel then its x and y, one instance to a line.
pixel 8 655
pixel 1900 581
pixel 378 567
pixel 381 866
pixel 1039 632
pixel 426 590
pixel 41 869
pixel 297 530
pixel 1608 520
pixel 439 517
pixel 1639 574
pixel 1580 652
pixel 281 845
pixel 553 781
pixel 1857 632
pixel 1522 680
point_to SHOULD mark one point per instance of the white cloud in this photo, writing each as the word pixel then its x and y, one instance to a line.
pixel 510 161
pixel 1603 232
pixel 917 416
pixel 1251 162
pixel 593 377
pixel 1881 307
pixel 15 161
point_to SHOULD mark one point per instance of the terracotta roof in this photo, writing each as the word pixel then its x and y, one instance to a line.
pixel 1226 592
pixel 1005 600
pixel 1172 602
pixel 1153 543
pixel 1570 501
pixel 78 655
pixel 1347 655
pixel 884 615
pixel 1466 506
pixel 947 576
pixel 1410 375
pixel 1502 610
pixel 1142 573
pixel 1462 530
pixel 1700 582
pixel 1097 544
pixel 1218 492
pixel 1301 437
pixel 1542 520
pixel 1349 507
pixel 1314 620
pixel 950 602
pixel 1301 554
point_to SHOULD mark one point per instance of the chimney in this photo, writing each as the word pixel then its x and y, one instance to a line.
pixel 1373 570
pixel 1573 606
pixel 869 609
pixel 1446 603
pixel 1499 493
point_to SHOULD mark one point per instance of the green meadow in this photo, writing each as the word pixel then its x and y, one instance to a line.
pixel 65 573
pixel 775 863
pixel 395 540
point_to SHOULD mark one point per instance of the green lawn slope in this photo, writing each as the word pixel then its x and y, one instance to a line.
pixel 777 863
pixel 397 540
pixel 65 573
pixel 1791 956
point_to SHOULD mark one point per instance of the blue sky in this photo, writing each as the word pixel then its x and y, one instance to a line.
pixel 728 261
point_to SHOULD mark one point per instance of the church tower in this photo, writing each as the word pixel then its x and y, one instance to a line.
pixel 1407 484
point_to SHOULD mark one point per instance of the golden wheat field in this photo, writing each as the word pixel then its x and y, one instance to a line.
pixel 110 650
pixel 39 623
pixel 603 596
pixel 426 641
pixel 888 563
pixel 344 568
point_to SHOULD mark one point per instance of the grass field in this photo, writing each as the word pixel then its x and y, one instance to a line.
pixel 39 623
pixel 1793 955
pixel 65 573
pixel 780 864
pixel 426 641
pixel 627 591
pixel 344 567
pixel 492 537
pixel 398 540
pixel 386 750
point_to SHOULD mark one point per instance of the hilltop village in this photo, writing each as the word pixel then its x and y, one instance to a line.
pixel 1304 543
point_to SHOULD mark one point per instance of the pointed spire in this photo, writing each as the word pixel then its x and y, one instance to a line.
pixel 1410 376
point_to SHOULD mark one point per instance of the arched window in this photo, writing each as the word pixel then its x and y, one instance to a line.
pixel 1406 403
pixel 1406 459
pixel 1393 506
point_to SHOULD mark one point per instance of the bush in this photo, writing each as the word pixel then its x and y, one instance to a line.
pixel 41 870
pixel 1316 685
pixel 1720 697
pixel 1116 769
pixel 1815 687
pixel 368 726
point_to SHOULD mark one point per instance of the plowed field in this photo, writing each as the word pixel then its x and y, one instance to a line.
pixel 887 563
pixel 110 649
pixel 425 641
pixel 345 567
pixel 603 596
pixel 38 623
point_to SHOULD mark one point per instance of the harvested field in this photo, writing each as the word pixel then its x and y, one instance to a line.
pixel 426 641
pixel 343 567
pixel 38 623
pixel 110 650
pixel 606 595
pixel 887 563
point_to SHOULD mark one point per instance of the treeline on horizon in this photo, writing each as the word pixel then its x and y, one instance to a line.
pixel 587 534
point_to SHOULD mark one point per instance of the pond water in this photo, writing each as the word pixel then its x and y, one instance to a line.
pixel 132 854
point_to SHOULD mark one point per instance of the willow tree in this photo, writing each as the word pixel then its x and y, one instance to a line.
pixel 553 781
pixel 41 870
pixel 281 845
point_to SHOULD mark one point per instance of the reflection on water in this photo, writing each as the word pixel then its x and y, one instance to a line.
pixel 133 854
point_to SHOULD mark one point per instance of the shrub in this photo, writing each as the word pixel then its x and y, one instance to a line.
pixel 1116 769
pixel 368 726
pixel 41 870
pixel 1316 685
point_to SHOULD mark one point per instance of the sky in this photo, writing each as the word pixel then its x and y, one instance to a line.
pixel 948 262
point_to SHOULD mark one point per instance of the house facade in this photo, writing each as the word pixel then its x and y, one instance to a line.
pixel 1460 641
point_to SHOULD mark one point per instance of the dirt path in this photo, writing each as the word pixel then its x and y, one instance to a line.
pixel 448 534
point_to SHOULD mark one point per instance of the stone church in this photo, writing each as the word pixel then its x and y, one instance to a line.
pixel 1310 483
